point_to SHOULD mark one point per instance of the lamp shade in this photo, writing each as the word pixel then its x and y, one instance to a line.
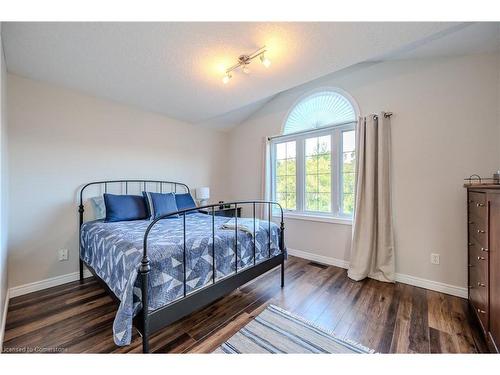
pixel 203 193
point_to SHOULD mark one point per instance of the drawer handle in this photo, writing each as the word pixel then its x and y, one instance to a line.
pixel 480 231
pixel 471 287
pixel 469 244
pixel 481 285
pixel 471 222
pixel 484 249
pixel 470 201
pixel 480 258
pixel 479 204
pixel 481 311
pixel 470 265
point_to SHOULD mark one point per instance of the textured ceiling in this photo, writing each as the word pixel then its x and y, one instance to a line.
pixel 465 39
pixel 176 68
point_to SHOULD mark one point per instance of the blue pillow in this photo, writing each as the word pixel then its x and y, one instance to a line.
pixel 160 204
pixel 185 201
pixel 125 207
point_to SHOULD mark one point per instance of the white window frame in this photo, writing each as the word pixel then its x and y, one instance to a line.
pixel 335 132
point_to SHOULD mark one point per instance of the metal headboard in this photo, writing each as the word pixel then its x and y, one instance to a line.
pixel 159 183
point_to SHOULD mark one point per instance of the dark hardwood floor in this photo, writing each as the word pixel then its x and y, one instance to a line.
pixel 390 318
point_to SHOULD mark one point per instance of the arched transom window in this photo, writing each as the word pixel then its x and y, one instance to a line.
pixel 313 160
pixel 318 110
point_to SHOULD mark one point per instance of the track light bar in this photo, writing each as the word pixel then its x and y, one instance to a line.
pixel 244 61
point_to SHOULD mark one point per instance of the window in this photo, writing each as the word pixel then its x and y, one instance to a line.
pixel 286 186
pixel 313 162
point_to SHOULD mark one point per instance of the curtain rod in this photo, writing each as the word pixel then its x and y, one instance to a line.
pixel 386 115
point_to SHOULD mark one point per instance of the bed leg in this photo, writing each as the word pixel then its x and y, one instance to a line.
pixel 282 273
pixel 145 343
pixel 81 271
pixel 144 271
pixel 282 249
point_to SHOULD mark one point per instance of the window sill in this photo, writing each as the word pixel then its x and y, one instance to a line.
pixel 322 219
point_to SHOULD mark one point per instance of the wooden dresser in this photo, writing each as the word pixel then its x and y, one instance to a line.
pixel 483 202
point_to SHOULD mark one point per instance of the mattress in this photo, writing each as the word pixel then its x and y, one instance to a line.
pixel 114 251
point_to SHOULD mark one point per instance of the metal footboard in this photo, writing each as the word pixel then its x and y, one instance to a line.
pixel 217 288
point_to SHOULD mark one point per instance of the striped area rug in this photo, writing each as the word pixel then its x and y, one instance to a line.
pixel 278 331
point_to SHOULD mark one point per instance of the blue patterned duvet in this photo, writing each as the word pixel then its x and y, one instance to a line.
pixel 114 251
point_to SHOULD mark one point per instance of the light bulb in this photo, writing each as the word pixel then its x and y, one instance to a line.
pixel 265 61
pixel 245 69
pixel 226 78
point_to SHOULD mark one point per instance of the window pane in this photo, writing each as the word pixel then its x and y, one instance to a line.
pixel 311 164
pixel 281 151
pixel 319 109
pixel 280 184
pixel 324 144
pixel 311 201
pixel 311 183
pixel 311 146
pixel 290 149
pixel 281 167
pixel 281 198
pixel 324 202
pixel 324 183
pixel 348 182
pixel 348 203
pixel 285 178
pixel 290 184
pixel 324 163
pixel 318 174
pixel 291 201
pixel 348 162
pixel 349 140
pixel 348 171
pixel 290 167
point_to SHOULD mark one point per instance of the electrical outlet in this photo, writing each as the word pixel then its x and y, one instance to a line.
pixel 63 255
pixel 434 258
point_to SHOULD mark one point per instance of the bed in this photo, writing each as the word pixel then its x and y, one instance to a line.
pixel 161 270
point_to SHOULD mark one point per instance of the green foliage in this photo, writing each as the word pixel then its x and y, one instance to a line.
pixel 286 186
pixel 318 180
pixel 348 182
pixel 348 203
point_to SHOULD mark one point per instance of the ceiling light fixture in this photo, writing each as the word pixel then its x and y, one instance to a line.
pixel 226 78
pixel 265 60
pixel 244 61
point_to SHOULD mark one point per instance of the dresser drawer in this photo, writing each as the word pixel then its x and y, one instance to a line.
pixel 478 282
pixel 478 259
pixel 478 233
pixel 477 197
pixel 481 311
pixel 477 205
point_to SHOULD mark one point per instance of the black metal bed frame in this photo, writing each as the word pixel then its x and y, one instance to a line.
pixel 148 322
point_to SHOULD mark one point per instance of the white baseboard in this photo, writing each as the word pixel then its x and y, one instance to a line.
pixel 4 318
pixel 437 286
pixel 47 283
pixel 405 279
pixel 401 278
pixel 319 258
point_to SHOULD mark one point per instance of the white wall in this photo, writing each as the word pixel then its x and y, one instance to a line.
pixel 59 139
pixel 445 127
pixel 3 188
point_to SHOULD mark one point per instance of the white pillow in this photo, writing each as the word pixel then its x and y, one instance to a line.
pixel 99 207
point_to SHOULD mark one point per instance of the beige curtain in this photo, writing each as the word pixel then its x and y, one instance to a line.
pixel 265 194
pixel 372 250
